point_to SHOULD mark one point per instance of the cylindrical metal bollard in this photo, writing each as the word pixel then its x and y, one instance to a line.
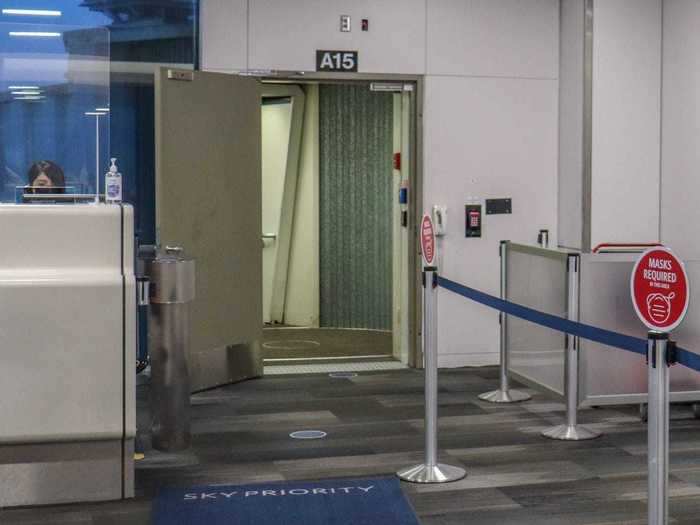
pixel 504 394
pixel 172 277
pixel 658 428
pixel 431 471
pixel 571 430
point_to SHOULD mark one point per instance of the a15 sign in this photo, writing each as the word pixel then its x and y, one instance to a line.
pixel 338 61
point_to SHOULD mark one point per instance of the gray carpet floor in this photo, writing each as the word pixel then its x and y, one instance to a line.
pixel 374 425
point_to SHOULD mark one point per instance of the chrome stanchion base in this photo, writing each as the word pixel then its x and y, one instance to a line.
pixel 570 433
pixel 505 396
pixel 432 473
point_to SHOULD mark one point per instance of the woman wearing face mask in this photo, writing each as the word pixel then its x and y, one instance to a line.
pixel 46 177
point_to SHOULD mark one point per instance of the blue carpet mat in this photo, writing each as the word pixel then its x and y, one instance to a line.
pixel 335 502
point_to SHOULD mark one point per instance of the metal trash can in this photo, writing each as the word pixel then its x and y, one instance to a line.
pixel 172 288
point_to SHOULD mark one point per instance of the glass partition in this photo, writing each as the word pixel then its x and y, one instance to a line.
pixel 613 376
pixel 143 40
pixel 142 37
pixel 536 278
pixel 54 109
pixel 103 57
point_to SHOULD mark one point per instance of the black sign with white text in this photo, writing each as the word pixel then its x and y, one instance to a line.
pixel 338 61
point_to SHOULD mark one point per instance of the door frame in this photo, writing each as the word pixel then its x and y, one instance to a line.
pixel 283 233
pixel 415 211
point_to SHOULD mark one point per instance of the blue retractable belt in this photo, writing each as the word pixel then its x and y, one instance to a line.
pixel 592 333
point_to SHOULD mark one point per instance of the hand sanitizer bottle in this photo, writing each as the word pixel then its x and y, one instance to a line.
pixel 113 184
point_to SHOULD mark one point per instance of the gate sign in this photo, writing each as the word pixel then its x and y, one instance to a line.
pixel 660 289
pixel 337 61
pixel 427 240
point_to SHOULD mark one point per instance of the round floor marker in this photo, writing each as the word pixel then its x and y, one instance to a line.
pixel 342 375
pixel 308 434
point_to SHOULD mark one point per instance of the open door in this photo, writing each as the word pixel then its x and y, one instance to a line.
pixel 208 200
pixel 282 124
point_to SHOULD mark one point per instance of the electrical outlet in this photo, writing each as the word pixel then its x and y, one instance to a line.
pixel 345 24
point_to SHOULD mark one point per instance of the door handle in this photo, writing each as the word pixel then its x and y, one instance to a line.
pixel 269 236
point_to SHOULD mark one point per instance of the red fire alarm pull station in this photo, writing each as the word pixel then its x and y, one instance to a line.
pixel 397 161
pixel 365 24
pixel 473 220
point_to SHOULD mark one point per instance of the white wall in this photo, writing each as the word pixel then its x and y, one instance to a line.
pixel 285 34
pixel 625 118
pixel 490 114
pixel 626 121
pixel 680 180
pixel 505 147
pixel 223 35
pixel 493 38
pixel 490 130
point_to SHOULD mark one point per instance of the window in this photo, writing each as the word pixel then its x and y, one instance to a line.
pixel 76 79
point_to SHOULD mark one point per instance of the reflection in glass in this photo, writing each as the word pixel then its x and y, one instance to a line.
pixel 143 35
pixel 47 85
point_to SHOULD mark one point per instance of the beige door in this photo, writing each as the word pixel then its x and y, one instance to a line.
pixel 208 200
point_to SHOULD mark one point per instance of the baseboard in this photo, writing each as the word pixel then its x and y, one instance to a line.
pixel 461 360
pixel 54 473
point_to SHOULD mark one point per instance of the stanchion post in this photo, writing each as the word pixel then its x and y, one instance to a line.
pixel 431 471
pixel 571 430
pixel 504 394
pixel 658 427
pixel 660 299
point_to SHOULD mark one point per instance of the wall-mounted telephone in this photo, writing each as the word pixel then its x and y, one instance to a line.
pixel 440 220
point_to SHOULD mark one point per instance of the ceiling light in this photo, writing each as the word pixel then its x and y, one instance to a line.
pixel 26 92
pixel 35 34
pixel 30 98
pixel 94 113
pixel 23 87
pixel 104 110
pixel 31 12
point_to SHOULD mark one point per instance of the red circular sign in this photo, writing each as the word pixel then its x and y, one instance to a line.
pixel 427 240
pixel 660 289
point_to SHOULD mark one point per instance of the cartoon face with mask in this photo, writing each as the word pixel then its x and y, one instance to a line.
pixel 659 306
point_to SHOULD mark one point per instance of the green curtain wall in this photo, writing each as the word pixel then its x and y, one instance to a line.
pixel 355 207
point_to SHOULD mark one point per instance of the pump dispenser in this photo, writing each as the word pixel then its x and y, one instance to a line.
pixel 113 184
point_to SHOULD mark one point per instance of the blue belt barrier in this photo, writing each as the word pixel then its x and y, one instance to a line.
pixel 585 331
pixel 688 359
